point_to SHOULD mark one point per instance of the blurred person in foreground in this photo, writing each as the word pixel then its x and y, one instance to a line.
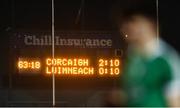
pixel 151 75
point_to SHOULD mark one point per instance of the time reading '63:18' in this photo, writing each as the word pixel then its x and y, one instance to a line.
pixel 29 64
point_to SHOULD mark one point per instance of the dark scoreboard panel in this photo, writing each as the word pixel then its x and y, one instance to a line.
pixel 83 61
pixel 76 53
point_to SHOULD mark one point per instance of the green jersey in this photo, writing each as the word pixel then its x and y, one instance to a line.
pixel 145 78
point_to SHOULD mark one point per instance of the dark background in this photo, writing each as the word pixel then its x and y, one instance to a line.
pixel 95 15
pixel 169 22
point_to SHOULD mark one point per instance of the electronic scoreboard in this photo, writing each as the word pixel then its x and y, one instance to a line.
pixel 83 60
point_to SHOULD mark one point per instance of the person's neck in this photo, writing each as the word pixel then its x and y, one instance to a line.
pixel 149 47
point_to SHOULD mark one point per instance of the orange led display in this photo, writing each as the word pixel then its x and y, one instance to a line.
pixel 70 70
pixel 109 67
pixel 29 64
pixel 72 66
pixel 69 66
pixel 111 62
pixel 67 62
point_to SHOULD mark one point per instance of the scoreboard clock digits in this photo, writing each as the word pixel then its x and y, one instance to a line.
pixel 24 64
